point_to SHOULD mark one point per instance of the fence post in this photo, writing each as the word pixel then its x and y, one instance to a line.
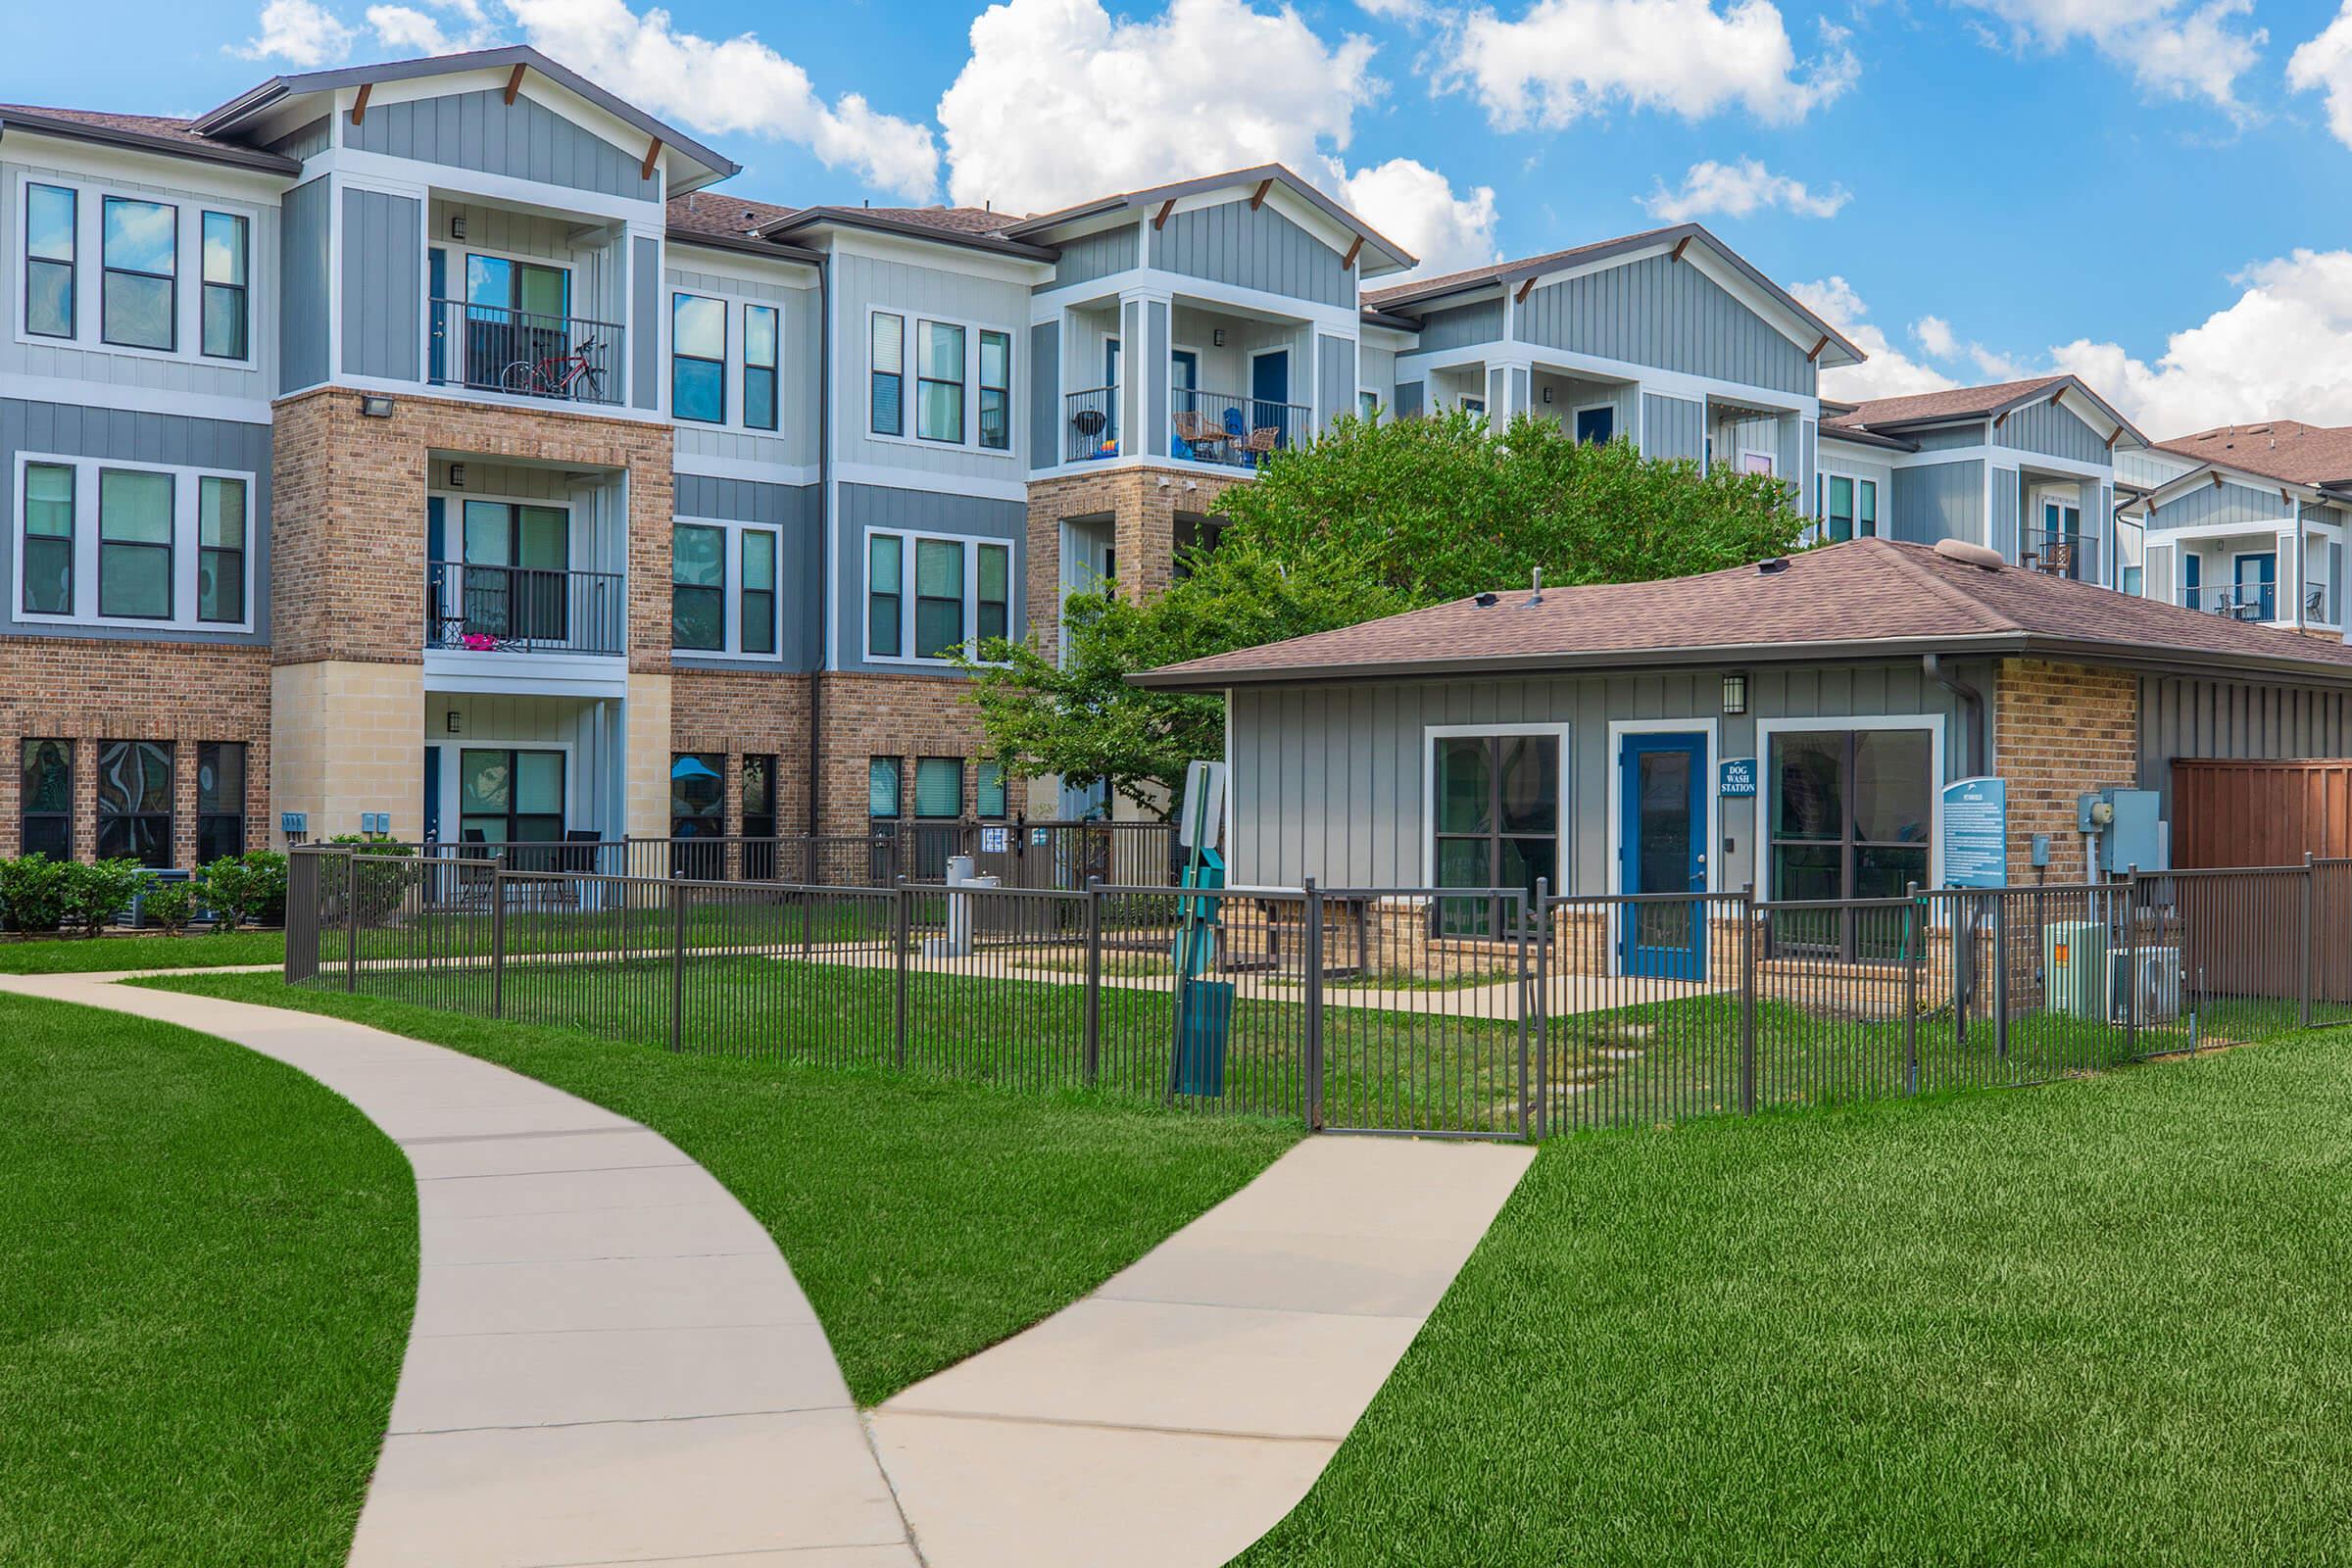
pixel 1748 999
pixel 678 893
pixel 2309 875
pixel 1314 1005
pixel 1541 1002
pixel 497 942
pixel 350 924
pixel 2000 974
pixel 1094 979
pixel 2130 961
pixel 1915 954
pixel 904 900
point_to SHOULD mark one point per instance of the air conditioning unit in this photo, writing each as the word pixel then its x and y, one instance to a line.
pixel 2144 985
pixel 2074 965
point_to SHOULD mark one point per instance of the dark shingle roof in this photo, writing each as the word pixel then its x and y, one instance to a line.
pixel 722 216
pixel 1863 599
pixel 155 132
pixel 1496 272
pixel 1957 402
pixel 2277 449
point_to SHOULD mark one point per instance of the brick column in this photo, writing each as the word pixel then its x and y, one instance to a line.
pixel 2059 732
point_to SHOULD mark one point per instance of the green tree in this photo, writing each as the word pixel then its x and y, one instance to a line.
pixel 1369 520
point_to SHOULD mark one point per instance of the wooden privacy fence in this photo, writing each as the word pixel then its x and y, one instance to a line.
pixel 2234 814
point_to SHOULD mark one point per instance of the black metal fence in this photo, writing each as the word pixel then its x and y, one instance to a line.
pixel 1432 1011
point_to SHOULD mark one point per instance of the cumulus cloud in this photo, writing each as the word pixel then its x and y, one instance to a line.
pixel 1416 206
pixel 2323 65
pixel 1562 60
pixel 2172 49
pixel 1936 335
pixel 1741 190
pixel 300 32
pixel 1888 372
pixel 450 25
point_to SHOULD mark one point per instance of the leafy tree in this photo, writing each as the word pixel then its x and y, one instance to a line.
pixel 1368 520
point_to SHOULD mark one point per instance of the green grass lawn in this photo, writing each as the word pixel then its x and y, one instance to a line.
pixel 926 1219
pixel 2101 1322
pixel 87 955
pixel 206 1267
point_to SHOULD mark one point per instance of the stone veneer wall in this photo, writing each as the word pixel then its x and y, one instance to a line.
pixel 2059 732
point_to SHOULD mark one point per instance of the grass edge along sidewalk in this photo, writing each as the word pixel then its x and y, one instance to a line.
pixel 208 1266
pixel 101 954
pixel 925 1220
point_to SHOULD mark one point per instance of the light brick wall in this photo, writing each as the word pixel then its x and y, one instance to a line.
pixel 90 692
pixel 646 736
pixel 1143 505
pixel 746 712
pixel 348 738
pixel 907 716
pixel 2060 731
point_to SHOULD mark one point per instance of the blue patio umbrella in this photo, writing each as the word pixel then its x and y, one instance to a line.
pixel 691 767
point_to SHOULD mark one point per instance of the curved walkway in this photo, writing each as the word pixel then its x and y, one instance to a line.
pixel 609 1361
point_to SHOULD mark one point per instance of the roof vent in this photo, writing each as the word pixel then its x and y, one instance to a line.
pixel 1966 554
pixel 1536 596
pixel 1772 567
pixel 1485 601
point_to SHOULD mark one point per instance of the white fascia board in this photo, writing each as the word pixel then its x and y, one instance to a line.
pixel 71 392
pixel 750 468
pixel 1391 338
pixel 2198 533
pixel 1666 384
pixel 500 400
pixel 885 476
pixel 939 256
pixel 158 170
pixel 383 171
pixel 526 674
pixel 1047 305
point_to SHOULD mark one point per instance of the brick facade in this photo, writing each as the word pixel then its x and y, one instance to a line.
pixel 90 692
pixel 1142 506
pixel 2060 731
pixel 739 714
pixel 863 716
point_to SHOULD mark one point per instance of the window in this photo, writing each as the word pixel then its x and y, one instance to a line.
pixel 988 788
pixel 995 591
pixel 882 789
pixel 134 544
pixel 51 245
pixel 49 538
pixel 759 367
pixel 938 597
pixel 2132 581
pixel 995 391
pixel 220 800
pixel 47 799
pixel 886 399
pixel 938 786
pixel 759 793
pixel 1850 816
pixel 1367 406
pixel 939 382
pixel 220 548
pixel 516 570
pixel 511 797
pixel 1496 820
pixel 698 594
pixel 698 359
pixel 1757 462
pixel 138 296
pixel 226 320
pixel 1850 507
pixel 884 594
pixel 134 802
pixel 1474 405
pixel 698 795
pixel 757 613
pixel 2257 577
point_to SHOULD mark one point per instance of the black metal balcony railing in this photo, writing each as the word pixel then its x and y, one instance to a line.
pixel 1091 425
pixel 2247 601
pixel 490 348
pixel 2061 555
pixel 525 610
pixel 1235 432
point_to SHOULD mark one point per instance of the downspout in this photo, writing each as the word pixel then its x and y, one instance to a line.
pixel 1973 699
pixel 824 521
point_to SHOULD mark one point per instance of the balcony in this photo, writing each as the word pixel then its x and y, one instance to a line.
pixel 1214 427
pixel 525 609
pixel 2260 602
pixel 2061 555
pixel 492 348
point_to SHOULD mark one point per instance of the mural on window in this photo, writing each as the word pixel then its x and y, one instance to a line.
pixel 510 796
pixel 134 802
pixel 46 799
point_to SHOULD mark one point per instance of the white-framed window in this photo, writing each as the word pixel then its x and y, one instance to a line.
pixel 102 542
pixel 762 342
pixel 727 581
pixel 930 596
pixel 936 381
pixel 697 358
pixel 1847 808
pixel 1849 507
pixel 1367 406
pixel 126 269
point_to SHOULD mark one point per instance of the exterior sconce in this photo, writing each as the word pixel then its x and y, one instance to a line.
pixel 1216 337
pixel 456 476
pixel 457 226
pixel 374 406
pixel 1734 693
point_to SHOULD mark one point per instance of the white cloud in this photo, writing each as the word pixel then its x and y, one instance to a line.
pixel 1566 59
pixel 2172 49
pixel 298 31
pixel 1416 206
pixel 2284 349
pixel 415 32
pixel 1888 372
pixel 2324 64
pixel 1936 335
pixel 1739 190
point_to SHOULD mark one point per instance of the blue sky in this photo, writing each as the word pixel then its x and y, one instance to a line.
pixel 2156 197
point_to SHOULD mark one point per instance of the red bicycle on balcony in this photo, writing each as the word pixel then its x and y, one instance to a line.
pixel 571 375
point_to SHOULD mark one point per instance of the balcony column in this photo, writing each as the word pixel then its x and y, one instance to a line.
pixel 1145 366
pixel 1510 389
pixel 1335 378
pixel 2290 605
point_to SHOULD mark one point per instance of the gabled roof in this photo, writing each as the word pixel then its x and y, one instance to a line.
pixel 1411 297
pixel 972 228
pixel 1897 415
pixel 155 134
pixel 1394 255
pixel 1866 599
pixel 254 102
pixel 2302 454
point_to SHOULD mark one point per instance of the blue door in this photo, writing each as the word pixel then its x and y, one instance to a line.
pixel 1270 393
pixel 436 290
pixel 1596 425
pixel 1662 847
pixel 432 793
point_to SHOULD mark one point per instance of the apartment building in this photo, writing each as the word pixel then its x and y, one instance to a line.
pixel 439 446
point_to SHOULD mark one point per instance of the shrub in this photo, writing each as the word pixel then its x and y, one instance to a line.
pixel 382 888
pixel 270 886
pixel 33 893
pixel 169 907
pixel 94 894
pixel 243 888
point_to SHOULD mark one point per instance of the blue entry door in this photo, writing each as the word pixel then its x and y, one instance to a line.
pixel 1662 847
pixel 1270 393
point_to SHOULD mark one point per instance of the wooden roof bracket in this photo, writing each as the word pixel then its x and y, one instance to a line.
pixel 1348 263
pixel 1680 246
pixel 358 105
pixel 1525 289
pixel 514 82
pixel 1160 220
pixel 1817 348
pixel 1257 198
pixel 652 154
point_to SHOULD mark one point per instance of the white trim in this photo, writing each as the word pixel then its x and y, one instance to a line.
pixel 1577 409
pixel 1821 501
pixel 958 261
pixel 1416 365
pixel 581 675
pixel 1766 728
pixel 452 820
pixel 790 475
pixel 186 544
pixel 1559 732
pixel 80 392
pixel 973 544
pixel 940 484
pixel 1772 462
pixel 911 383
pixel 1157 282
pixel 1619 728
pixel 731 591
pixel 569 201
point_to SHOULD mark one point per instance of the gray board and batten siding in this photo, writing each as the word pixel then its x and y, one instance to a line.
pixel 1673 427
pixel 2211 504
pixel 1459 327
pixel 1092 256
pixel 521 140
pixel 2186 717
pixel 2053 431
pixel 886 509
pixel 305 228
pixel 1667 313
pixel 1939 500
pixel 792 510
pixel 383 289
pixel 1244 248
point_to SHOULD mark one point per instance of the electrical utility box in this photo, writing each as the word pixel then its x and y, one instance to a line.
pixel 2074 967
pixel 2134 834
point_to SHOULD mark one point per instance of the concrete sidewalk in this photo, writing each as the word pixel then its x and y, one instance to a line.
pixel 1175 1415
pixel 610 1359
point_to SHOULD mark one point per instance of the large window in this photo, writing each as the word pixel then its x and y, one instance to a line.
pixel 885 591
pixel 886 400
pixel 698 797
pixel 757 606
pixel 937 597
pixel 138 296
pixel 759 339
pixel 509 796
pixel 517 571
pixel 995 591
pixel 51 247
pixel 49 538
pixel 1849 508
pixel 220 548
pixel 988 790
pixel 698 359
pixel 1496 820
pixel 938 787
pixel 758 797
pixel 882 803
pixel 220 800
pixel 939 389
pixel 134 802
pixel 698 594
pixel 995 390
pixel 46 800
pixel 960 591
pixel 1849 814
pixel 134 544
pixel 227 268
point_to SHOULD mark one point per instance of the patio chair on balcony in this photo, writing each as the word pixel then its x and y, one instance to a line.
pixel 1203 432
pixel 2055 558
pixel 1262 441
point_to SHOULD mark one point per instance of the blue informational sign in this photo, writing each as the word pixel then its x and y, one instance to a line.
pixel 995 840
pixel 1976 833
pixel 1737 775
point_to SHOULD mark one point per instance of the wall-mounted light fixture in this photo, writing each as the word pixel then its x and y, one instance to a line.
pixel 457 226
pixel 1734 693
pixel 1548 394
pixel 1216 337
pixel 453 722
pixel 456 476
pixel 374 406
